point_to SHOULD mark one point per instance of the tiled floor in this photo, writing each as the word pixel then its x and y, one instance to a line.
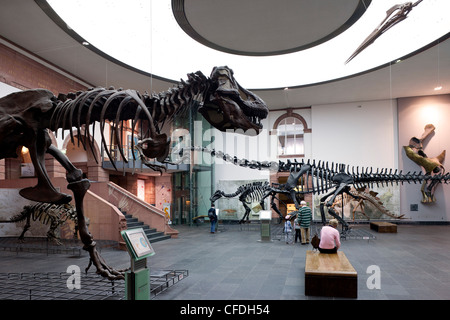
pixel 234 264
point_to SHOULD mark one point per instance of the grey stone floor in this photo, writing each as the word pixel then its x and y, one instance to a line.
pixel 233 264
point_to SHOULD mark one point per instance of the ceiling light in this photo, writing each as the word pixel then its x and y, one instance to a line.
pixel 438 88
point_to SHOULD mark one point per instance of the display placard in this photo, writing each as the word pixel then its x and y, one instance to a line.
pixel 265 215
pixel 137 243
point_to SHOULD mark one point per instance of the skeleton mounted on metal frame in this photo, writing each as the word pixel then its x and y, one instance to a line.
pixel 26 117
pixel 248 193
pixel 258 192
pixel 331 180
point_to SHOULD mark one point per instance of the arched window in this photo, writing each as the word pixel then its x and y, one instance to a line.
pixel 289 129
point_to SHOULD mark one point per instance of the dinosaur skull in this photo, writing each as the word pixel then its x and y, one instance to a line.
pixel 229 106
pixel 216 196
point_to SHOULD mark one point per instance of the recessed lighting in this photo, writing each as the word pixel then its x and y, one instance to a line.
pixel 85 43
pixel 438 88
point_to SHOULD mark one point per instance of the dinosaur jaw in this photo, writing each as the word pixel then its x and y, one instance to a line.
pixel 231 107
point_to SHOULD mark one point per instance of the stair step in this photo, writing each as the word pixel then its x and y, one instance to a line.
pixel 152 234
pixel 133 225
pixel 160 238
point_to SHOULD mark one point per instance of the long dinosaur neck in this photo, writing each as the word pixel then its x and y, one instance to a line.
pixel 232 195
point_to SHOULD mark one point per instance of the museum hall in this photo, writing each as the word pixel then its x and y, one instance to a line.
pixel 234 156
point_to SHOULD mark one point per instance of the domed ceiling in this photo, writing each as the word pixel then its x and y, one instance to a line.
pixel 270 44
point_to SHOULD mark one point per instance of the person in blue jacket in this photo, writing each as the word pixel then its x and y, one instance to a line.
pixel 212 218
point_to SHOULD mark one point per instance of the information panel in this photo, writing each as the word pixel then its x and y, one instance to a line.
pixel 137 243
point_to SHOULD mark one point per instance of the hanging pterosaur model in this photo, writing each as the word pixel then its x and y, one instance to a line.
pixel 26 117
pixel 394 15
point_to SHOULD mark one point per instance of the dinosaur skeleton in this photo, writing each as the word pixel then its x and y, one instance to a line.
pixel 329 179
pixel 54 215
pixel 415 152
pixel 363 195
pixel 254 192
pixel 26 117
pixel 258 192
pixel 248 193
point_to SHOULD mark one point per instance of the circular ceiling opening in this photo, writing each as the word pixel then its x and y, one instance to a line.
pixel 265 27
pixel 144 35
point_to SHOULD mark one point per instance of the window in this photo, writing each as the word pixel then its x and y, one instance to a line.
pixel 290 128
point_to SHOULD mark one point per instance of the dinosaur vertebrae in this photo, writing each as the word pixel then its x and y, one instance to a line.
pixel 322 176
pixel 100 105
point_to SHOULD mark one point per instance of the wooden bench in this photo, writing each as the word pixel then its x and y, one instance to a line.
pixel 383 227
pixel 330 275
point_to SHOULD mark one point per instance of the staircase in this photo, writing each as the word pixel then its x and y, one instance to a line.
pixel 152 234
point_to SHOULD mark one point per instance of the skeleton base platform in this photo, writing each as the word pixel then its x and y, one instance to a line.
pixel 383 227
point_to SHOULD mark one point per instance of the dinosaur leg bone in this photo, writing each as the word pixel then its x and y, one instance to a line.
pixel 25 228
pixel 73 174
pixel 322 203
pixel 44 190
pixel 339 190
pixel 79 190
pixel 245 218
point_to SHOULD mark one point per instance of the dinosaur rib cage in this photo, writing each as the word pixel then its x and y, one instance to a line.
pixel 46 213
pixel 150 112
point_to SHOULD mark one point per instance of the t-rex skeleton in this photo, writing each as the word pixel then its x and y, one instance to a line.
pixel 26 117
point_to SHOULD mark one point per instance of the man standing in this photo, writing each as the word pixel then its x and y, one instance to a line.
pixel 212 218
pixel 304 220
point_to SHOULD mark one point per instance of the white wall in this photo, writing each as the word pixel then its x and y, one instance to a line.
pixel 261 147
pixel 358 134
